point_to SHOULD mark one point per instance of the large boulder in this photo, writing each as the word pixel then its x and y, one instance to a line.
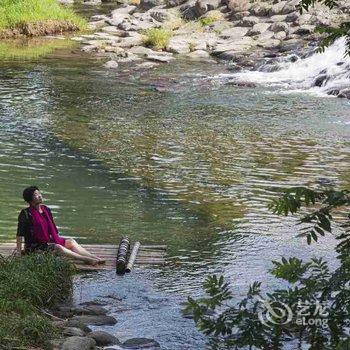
pixel 73 331
pixel 141 343
pixel 103 338
pixel 79 343
pixel 78 324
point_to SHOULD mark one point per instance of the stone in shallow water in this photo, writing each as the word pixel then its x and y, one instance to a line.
pixel 141 343
pixel 111 64
pixel 78 343
pixel 73 331
pixel 99 320
pixel 103 338
pixel 78 324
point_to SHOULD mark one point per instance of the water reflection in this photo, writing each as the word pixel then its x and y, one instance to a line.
pixel 192 166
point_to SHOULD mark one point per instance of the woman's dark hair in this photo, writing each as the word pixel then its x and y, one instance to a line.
pixel 28 193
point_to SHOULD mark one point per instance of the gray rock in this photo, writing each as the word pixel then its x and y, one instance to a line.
pixel 73 331
pixel 203 6
pixel 103 338
pixel 292 17
pixel 99 320
pixel 258 28
pixel 124 10
pixel 78 324
pixel 198 55
pixel 90 310
pixel 79 343
pixel 110 65
pixel 234 32
pixel 141 51
pixel 173 3
pixel 159 58
pixel 304 30
pixel 141 343
pixel 279 27
pixel 345 93
pixel 238 45
pixel 146 65
pixel 277 9
pixel 260 9
pixel 148 4
pixel 280 35
pixel 248 21
pixel 320 80
pixel 240 15
pixel 179 45
pixel 277 18
pixel 161 15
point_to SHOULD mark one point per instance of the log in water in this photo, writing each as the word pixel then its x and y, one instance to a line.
pixel 132 257
pixel 122 255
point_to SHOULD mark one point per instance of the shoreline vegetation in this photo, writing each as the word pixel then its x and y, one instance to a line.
pixel 30 285
pixel 30 18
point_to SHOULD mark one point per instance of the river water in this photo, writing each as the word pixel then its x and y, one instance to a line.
pixel 169 156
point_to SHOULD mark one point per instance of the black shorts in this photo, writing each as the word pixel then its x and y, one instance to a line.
pixel 43 247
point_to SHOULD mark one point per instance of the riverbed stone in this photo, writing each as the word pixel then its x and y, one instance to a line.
pixel 277 9
pixel 141 343
pixel 304 30
pixel 78 324
pixel 345 93
pixel 148 4
pixel 279 27
pixel 103 338
pixel 204 6
pixel 260 9
pixel 79 343
pixel 234 32
pixel 111 64
pixel 258 28
pixel 98 320
pixel 249 21
pixel 179 45
pixel 73 331
pixel 280 35
pixel 236 45
pixel 199 55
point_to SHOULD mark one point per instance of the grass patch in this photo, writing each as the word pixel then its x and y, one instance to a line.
pixel 157 38
pixel 36 17
pixel 28 285
pixel 29 49
pixel 210 18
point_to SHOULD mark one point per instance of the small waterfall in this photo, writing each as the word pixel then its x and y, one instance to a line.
pixel 327 72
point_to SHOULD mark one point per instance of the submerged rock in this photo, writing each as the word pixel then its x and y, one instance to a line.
pixel 320 80
pixel 141 343
pixel 99 320
pixel 111 64
pixel 345 93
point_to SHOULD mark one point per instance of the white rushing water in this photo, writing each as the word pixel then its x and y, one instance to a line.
pixel 332 65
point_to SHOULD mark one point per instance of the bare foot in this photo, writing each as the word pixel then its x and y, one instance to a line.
pixel 91 261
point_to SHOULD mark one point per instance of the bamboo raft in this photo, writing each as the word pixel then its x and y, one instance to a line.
pixel 146 255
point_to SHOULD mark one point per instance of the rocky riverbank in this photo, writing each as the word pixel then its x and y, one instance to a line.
pixel 74 321
pixel 243 33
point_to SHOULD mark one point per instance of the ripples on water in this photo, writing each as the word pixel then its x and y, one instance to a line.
pixel 167 158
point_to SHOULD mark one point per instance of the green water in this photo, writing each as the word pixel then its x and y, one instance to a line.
pixel 168 156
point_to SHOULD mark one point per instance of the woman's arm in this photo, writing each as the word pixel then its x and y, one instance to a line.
pixel 21 230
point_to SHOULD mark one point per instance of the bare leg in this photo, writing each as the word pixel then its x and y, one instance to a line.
pixel 70 254
pixel 72 245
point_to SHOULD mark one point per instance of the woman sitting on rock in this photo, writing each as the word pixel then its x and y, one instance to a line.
pixel 36 225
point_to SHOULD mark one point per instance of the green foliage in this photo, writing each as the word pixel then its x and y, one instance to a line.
pixel 234 324
pixel 331 33
pixel 157 38
pixel 27 285
pixel 15 13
